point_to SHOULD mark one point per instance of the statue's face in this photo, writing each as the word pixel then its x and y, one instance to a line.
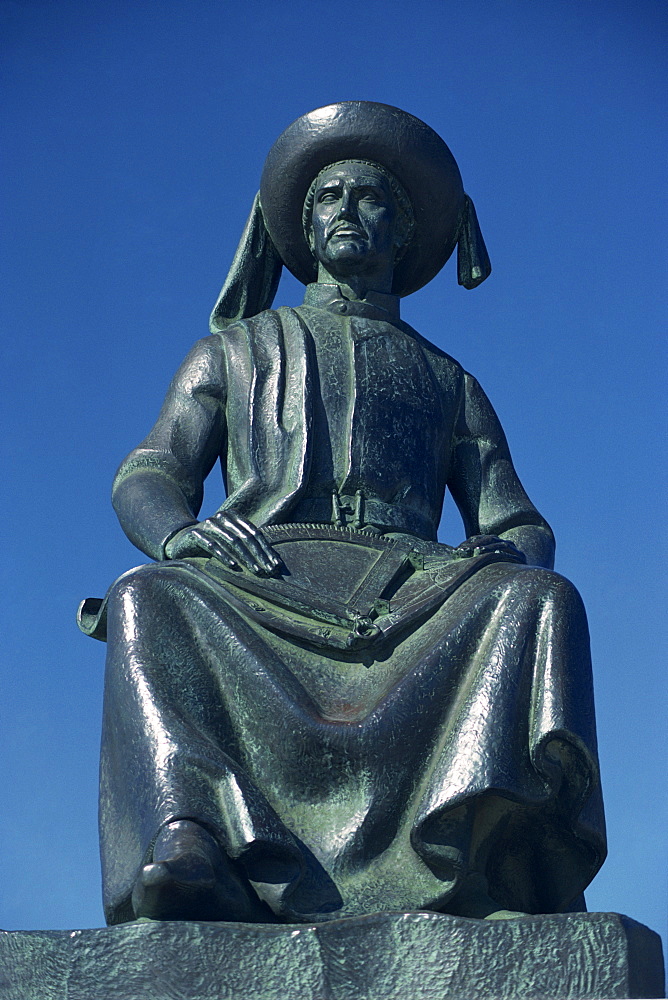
pixel 354 220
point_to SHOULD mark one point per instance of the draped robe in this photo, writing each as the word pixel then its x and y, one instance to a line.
pixel 452 747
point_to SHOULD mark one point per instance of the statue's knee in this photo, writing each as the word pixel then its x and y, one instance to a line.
pixel 138 585
pixel 545 584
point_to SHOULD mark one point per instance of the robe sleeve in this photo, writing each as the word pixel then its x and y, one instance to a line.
pixel 484 484
pixel 159 487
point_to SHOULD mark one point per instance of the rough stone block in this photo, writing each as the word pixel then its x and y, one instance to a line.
pixel 390 956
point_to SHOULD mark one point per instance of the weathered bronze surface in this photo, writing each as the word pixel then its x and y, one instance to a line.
pixel 385 956
pixel 313 708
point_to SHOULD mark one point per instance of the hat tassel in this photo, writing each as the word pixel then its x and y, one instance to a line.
pixel 253 277
pixel 473 264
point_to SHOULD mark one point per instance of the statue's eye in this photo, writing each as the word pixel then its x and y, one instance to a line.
pixel 327 196
pixel 371 195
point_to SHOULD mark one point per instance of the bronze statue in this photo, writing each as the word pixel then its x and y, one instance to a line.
pixel 313 708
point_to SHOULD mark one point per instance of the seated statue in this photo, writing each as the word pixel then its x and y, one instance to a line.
pixel 313 708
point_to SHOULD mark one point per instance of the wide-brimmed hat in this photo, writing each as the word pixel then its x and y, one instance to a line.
pixel 353 130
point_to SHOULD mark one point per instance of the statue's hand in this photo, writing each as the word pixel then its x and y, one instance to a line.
pixel 478 545
pixel 229 538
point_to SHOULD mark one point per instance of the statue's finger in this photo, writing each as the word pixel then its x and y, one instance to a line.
pixel 272 557
pixel 246 526
pixel 253 539
pixel 214 548
pixel 224 534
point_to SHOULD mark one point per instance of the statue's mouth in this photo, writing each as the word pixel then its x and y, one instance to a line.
pixel 347 231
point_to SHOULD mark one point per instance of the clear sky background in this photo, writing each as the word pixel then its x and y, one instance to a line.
pixel 134 137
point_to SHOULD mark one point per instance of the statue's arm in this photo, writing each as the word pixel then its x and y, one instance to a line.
pixel 485 486
pixel 159 487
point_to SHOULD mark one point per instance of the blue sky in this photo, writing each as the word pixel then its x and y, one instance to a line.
pixel 134 140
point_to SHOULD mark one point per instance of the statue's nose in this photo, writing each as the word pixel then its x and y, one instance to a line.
pixel 347 208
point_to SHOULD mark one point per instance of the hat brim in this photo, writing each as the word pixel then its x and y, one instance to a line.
pixel 401 143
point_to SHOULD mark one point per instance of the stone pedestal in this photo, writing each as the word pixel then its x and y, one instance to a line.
pixel 391 956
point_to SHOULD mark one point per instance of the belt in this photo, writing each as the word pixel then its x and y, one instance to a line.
pixel 358 511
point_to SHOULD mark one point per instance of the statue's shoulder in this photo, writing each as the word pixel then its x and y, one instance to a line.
pixel 444 365
pixel 249 324
pixel 262 341
pixel 203 357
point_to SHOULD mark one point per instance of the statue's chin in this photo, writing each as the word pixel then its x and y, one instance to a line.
pixel 349 253
pixel 350 261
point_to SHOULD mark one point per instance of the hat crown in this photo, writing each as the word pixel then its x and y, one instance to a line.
pixel 366 130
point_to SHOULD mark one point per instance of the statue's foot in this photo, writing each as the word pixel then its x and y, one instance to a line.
pixel 189 879
pixel 505 915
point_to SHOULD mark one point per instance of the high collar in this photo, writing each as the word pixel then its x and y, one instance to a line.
pixel 341 300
